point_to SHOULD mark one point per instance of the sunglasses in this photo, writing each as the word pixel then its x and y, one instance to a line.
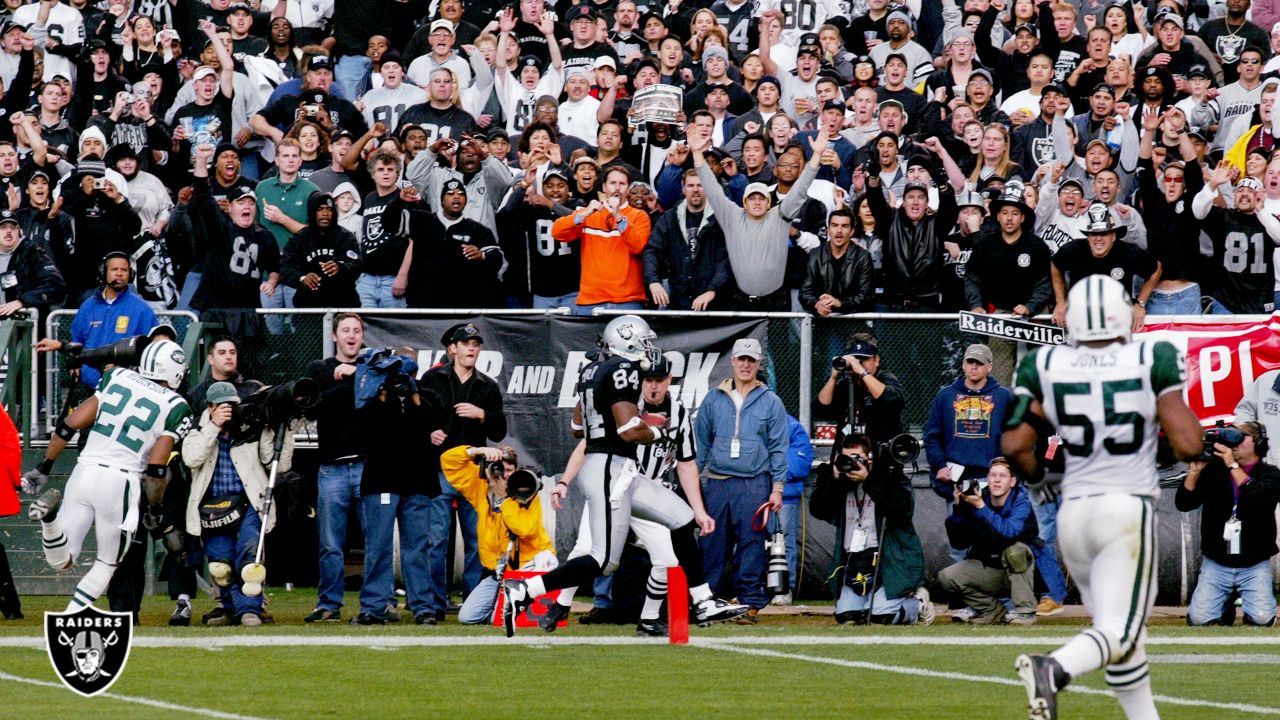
pixel 1176 179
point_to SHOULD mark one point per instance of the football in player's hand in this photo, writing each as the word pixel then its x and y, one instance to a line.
pixel 654 419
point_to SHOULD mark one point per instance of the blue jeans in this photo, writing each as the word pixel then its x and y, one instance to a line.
pixel 236 548
pixel 732 503
pixel 441 511
pixel 1180 302
pixel 375 292
pixel 602 592
pixel 904 610
pixel 352 75
pixel 338 491
pixel 1047 556
pixel 477 609
pixel 789 517
pixel 188 293
pixel 586 309
pixel 283 298
pixel 1217 308
pixel 381 511
pixel 542 302
pixel 1215 585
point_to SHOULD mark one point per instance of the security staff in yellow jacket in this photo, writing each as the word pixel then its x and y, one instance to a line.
pixel 510 514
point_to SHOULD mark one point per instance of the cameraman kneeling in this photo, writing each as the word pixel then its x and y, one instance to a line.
pixel 998 528
pixel 506 501
pixel 870 503
pixel 228 487
pixel 1238 492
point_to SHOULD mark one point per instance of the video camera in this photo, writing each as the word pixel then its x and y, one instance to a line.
pixel 126 352
pixel 1220 434
pixel 275 406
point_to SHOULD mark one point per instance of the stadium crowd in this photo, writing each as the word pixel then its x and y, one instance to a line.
pixel 833 156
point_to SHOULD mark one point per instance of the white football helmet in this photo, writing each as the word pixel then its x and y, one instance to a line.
pixel 1099 308
pixel 165 362
pixel 629 336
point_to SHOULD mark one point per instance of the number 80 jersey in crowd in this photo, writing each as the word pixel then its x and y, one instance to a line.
pixel 133 413
pixel 603 383
pixel 1103 403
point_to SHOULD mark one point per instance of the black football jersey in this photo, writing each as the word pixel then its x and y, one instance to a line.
pixel 603 383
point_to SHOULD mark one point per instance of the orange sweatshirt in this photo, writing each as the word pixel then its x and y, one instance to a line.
pixel 611 270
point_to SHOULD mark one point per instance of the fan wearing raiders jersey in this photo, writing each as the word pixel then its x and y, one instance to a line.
pixel 735 18
pixel 456 261
pixel 608 418
pixel 1243 240
pixel 242 256
pixel 131 425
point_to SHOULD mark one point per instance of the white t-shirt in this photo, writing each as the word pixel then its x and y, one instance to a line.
pixel 517 101
pixel 578 118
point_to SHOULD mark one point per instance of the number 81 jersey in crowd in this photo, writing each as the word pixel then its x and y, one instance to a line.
pixel 603 383
pixel 133 413
pixel 1103 403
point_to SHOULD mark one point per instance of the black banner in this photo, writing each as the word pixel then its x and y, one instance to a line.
pixel 536 361
pixel 1012 328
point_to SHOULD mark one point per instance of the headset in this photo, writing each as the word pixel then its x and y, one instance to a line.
pixel 102 268
pixel 1262 442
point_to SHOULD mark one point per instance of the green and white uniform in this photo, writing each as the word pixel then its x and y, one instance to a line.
pixel 103 490
pixel 1102 400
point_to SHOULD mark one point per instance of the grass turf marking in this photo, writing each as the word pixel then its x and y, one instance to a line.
pixel 137 700
pixel 946 675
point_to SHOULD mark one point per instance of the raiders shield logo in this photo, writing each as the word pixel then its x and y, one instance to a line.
pixel 88 647
pixel 1117 273
pixel 1024 260
pixel 1229 47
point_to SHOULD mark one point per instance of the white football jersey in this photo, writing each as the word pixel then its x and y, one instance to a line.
pixel 1103 403
pixel 802 16
pixel 133 413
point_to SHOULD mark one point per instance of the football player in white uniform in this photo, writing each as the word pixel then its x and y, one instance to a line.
pixel 1104 394
pixel 133 421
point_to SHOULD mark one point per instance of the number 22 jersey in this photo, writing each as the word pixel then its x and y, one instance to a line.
pixel 133 413
pixel 1103 403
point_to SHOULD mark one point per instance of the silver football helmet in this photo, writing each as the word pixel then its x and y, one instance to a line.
pixel 1099 308
pixel 629 336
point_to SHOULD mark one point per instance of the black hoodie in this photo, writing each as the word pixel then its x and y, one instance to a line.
pixel 313 245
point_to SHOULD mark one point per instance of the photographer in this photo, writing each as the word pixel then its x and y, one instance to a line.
pixel 506 499
pixel 1238 493
pixel 869 501
pixel 997 527
pixel 862 393
pixel 228 488
pixel 399 419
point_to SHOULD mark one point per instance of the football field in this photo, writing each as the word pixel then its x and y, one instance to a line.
pixel 788 666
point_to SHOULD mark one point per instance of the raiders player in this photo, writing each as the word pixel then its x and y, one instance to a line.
pixel 133 421
pixel 1105 395
pixel 608 417
pixel 656 460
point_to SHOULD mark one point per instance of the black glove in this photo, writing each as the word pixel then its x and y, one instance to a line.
pixel 872 168
pixel 939 174
pixel 153 516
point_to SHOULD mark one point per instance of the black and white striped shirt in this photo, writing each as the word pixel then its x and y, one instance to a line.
pixel 656 460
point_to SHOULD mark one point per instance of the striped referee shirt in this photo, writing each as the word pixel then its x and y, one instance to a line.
pixel 656 460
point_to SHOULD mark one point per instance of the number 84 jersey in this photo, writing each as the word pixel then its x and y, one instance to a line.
pixel 133 413
pixel 1103 403
pixel 603 383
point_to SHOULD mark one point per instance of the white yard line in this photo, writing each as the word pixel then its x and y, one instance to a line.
pixel 159 704
pixel 965 677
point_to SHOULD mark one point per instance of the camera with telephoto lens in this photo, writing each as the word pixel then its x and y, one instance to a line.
pixel 846 464
pixel 126 352
pixel 275 406
pixel 1220 434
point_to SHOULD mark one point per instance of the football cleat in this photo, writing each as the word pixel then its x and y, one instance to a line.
pixel 181 616
pixel 45 507
pixel 515 600
pixel 714 610
pixel 551 620
pixel 1044 677
pixel 652 628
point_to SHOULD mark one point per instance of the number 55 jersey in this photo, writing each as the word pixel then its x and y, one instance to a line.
pixel 1103 403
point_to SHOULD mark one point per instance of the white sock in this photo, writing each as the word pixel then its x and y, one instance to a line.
pixel 92 586
pixel 565 597
pixel 535 586
pixel 1082 653
pixel 700 593
pixel 55 544
pixel 655 592
pixel 183 597
pixel 1137 701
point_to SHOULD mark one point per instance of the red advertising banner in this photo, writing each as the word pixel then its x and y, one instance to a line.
pixel 1222 360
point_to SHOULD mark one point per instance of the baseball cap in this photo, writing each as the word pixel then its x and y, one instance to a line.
pixel 466 332
pixel 979 352
pixel 583 11
pixel 863 348
pixel 452 185
pixel 238 6
pixel 899 14
pixel 981 73
pixel 1170 16
pixel 605 61
pixel 240 192
pixel 915 185
pixel 755 187
pixel 204 71
pixel 747 347
pixel 221 392
pixel 9 26
pixel 585 159
pixel 164 330
pixel 1248 183
pixel 833 104
pixel 8 216
pixel 445 339
pixel 896 103
pixel 1199 71
pixel 320 62
pixel 440 24
pixel 1027 28
pixel 555 171
pixel 1103 87
pixel 1073 182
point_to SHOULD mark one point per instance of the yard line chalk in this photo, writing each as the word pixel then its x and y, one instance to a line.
pixel 947 675
pixel 254 640
pixel 160 704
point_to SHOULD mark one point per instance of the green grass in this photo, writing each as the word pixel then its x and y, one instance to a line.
pixel 650 681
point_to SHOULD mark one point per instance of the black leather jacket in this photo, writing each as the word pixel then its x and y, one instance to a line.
pixel 913 250
pixel 853 288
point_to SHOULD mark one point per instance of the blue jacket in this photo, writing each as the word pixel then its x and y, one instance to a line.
pixel 844 149
pixel 987 532
pixel 799 461
pixel 100 322
pixel 964 427
pixel 762 434
pixel 670 185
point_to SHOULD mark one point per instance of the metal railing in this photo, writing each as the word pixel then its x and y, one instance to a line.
pixel 21 395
